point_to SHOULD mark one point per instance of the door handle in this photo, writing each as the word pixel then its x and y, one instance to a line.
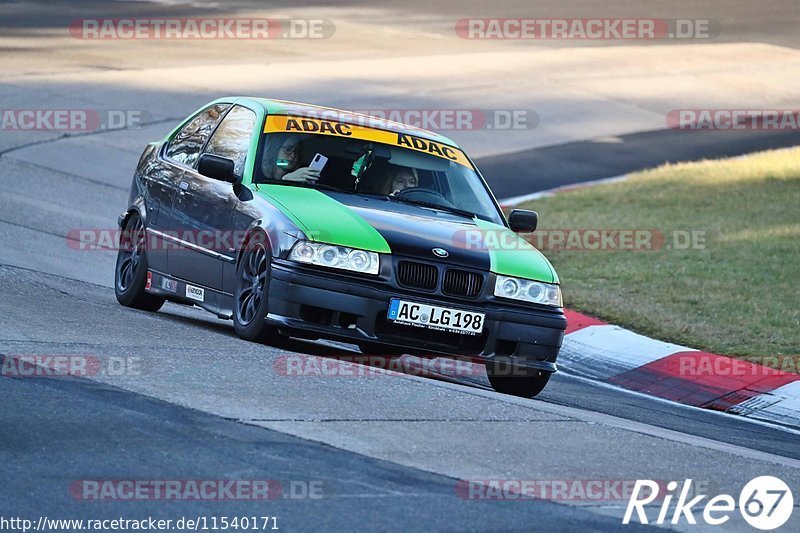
pixel 183 187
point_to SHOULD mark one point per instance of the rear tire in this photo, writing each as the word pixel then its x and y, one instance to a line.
pixel 516 380
pixel 251 293
pixel 130 273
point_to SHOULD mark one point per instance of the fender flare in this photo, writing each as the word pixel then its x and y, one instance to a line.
pixel 138 207
pixel 255 226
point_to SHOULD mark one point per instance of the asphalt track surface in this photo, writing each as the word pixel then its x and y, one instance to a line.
pixel 151 439
pixel 768 21
pixel 60 430
pixel 388 450
pixel 571 163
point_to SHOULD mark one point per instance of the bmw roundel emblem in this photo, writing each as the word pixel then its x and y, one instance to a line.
pixel 440 252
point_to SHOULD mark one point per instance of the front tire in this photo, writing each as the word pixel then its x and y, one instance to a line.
pixel 516 380
pixel 251 293
pixel 130 273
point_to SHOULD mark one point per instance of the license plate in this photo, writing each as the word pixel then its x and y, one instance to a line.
pixel 435 317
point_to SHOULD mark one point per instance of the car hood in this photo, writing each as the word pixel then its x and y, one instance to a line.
pixel 385 226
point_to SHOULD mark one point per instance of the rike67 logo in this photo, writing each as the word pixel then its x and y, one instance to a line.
pixel 765 503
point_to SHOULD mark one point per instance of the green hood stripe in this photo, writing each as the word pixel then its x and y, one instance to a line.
pixel 332 221
pixel 523 261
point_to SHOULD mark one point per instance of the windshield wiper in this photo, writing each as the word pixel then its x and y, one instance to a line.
pixel 431 205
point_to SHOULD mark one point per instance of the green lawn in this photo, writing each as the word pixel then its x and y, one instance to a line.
pixel 738 295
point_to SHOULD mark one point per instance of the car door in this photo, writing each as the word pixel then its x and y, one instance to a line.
pixel 203 207
pixel 180 153
pixel 159 180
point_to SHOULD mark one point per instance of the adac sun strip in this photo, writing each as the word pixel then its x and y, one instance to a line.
pixel 284 123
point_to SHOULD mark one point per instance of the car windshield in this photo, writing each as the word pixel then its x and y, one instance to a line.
pixel 359 166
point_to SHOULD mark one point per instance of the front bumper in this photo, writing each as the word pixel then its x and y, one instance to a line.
pixel 315 303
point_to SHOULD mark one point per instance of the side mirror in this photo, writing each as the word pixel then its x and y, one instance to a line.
pixel 523 221
pixel 216 167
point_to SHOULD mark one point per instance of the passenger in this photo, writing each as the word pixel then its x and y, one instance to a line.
pixel 281 159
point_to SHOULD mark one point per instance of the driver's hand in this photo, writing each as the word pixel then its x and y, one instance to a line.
pixel 308 175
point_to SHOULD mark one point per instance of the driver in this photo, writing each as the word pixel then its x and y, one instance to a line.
pixel 400 178
pixel 281 162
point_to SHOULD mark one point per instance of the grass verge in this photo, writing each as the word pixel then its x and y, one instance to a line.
pixel 735 290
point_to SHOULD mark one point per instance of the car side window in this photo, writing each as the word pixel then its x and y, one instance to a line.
pixel 232 137
pixel 186 145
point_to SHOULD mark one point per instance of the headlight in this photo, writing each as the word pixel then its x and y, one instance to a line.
pixel 528 291
pixel 331 256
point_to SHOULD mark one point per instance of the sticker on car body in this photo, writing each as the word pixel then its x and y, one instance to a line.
pixel 195 293
pixel 169 285
pixel 284 123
